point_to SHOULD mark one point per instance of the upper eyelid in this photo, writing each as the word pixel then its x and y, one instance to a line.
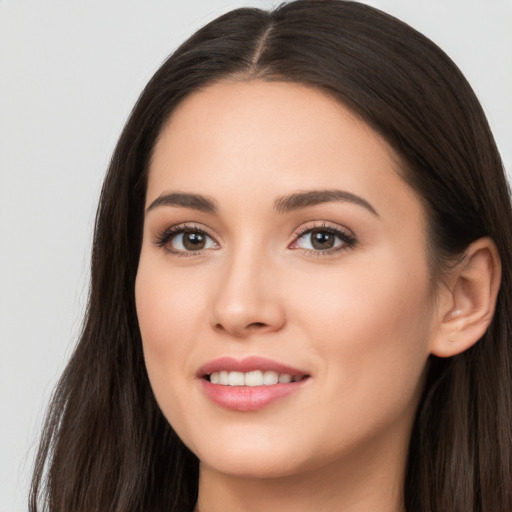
pixel 304 228
pixel 181 228
pixel 345 234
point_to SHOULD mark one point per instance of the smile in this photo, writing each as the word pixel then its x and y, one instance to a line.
pixel 249 384
pixel 252 378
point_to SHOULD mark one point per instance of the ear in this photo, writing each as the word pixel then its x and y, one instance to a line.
pixel 467 304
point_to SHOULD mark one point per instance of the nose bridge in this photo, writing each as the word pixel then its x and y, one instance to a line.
pixel 246 298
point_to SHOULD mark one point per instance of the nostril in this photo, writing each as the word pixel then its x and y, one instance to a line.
pixel 254 327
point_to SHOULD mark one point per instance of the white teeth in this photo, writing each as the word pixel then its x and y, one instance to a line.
pixel 254 378
pixel 251 379
pixel 270 378
pixel 236 379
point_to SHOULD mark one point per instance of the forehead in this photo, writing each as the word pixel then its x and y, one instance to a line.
pixel 274 117
pixel 259 140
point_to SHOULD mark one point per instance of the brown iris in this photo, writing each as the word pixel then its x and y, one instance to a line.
pixel 193 240
pixel 322 239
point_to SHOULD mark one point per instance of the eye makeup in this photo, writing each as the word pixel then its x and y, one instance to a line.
pixel 192 238
pixel 314 239
pixel 324 239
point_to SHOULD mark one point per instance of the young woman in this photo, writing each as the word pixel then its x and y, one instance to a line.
pixel 301 284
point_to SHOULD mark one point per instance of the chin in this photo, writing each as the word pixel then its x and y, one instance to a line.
pixel 262 467
pixel 251 456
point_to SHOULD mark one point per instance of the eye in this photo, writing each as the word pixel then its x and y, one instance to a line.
pixel 186 239
pixel 323 240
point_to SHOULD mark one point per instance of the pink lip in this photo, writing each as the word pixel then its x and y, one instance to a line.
pixel 248 364
pixel 248 398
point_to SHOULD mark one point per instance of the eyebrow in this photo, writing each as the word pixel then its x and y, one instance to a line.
pixel 185 200
pixel 288 203
pixel 300 200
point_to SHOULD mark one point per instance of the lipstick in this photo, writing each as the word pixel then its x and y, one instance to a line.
pixel 249 384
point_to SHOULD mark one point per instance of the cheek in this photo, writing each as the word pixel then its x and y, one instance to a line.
pixel 363 298
pixel 170 312
pixel 371 321
pixel 370 337
pixel 170 315
pixel 166 303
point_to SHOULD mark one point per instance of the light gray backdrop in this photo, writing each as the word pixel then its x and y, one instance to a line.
pixel 69 74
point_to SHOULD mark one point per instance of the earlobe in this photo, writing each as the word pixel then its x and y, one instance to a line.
pixel 472 292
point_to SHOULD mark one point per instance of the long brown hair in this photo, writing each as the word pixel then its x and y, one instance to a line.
pixel 106 445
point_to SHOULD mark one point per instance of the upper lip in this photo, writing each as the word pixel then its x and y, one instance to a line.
pixel 247 364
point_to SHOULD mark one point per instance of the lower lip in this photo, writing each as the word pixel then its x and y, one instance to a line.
pixel 247 398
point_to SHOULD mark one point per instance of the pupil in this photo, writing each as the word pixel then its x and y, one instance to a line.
pixel 193 241
pixel 322 240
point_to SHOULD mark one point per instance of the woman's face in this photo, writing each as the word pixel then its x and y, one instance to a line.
pixel 281 244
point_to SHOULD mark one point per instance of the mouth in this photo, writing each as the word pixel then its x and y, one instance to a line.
pixel 249 384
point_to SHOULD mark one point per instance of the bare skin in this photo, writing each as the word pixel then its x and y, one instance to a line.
pixel 357 312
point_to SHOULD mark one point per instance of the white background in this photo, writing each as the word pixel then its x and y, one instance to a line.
pixel 69 74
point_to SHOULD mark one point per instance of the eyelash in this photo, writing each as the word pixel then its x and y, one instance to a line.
pixel 348 240
pixel 164 238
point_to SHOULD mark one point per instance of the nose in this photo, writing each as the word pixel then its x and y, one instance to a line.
pixel 247 300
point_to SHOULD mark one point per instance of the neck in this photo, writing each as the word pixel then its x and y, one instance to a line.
pixel 362 482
